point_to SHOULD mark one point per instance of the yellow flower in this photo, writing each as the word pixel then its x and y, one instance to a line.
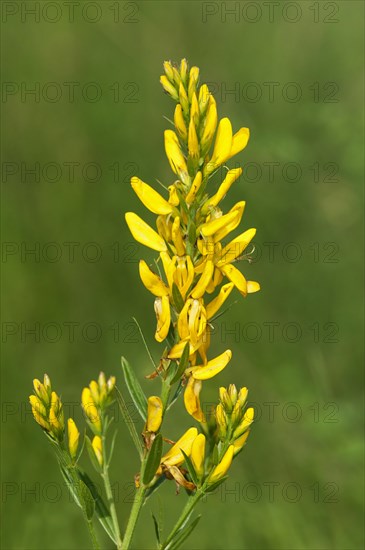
pixel 73 437
pixel 174 456
pixel 213 367
pixel 198 454
pixel 163 315
pixel 143 233
pixel 169 88
pixel 150 198
pixel 231 177
pixel 97 446
pixel 180 123
pixel 154 413
pixel 91 411
pixel 152 281
pixel 191 399
pixel 240 442
pixel 223 467
pixel 175 156
pixel 245 423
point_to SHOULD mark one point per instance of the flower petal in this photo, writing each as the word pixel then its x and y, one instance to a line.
pixel 143 233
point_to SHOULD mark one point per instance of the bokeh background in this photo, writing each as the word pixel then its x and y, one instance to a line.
pixel 297 74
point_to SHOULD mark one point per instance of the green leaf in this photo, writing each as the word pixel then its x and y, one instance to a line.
pixel 183 534
pixel 215 485
pixel 138 397
pixel 190 467
pixel 176 395
pixel 153 460
pixel 101 509
pixel 112 447
pixel 178 299
pixel 91 453
pixel 155 486
pixel 69 482
pixel 86 498
pixel 129 422
pixel 183 363
pixel 157 528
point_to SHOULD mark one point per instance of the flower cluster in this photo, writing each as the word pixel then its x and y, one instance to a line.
pixel 194 261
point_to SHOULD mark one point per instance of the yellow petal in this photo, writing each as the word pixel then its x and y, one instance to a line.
pixel 177 237
pixel 223 144
pixel 213 367
pixel 192 400
pixel 199 290
pixel 180 122
pixel 203 98
pixel 236 277
pixel 252 286
pixel 174 456
pixel 193 144
pixel 236 247
pixel 195 186
pixel 152 281
pixel 245 423
pixel 150 198
pixel 239 141
pixel 163 314
pixel 169 88
pixel 73 437
pixel 174 154
pixel 176 350
pixel 217 303
pixel 183 98
pixel 231 177
pixel 238 208
pixel 143 233
pixel 210 124
pixel 240 442
pixel 198 454
pixel 212 227
pixel 97 446
pixel 223 467
pixel 154 413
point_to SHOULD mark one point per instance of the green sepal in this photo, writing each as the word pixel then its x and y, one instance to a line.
pixel 153 460
pixel 135 390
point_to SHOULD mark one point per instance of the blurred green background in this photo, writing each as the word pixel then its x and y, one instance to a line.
pixel 95 119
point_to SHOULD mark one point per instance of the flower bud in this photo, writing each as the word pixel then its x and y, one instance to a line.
pixel 97 446
pixel 73 437
pixel 154 413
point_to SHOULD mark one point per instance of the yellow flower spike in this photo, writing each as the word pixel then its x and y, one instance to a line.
pixel 231 177
pixel 240 443
pixel 177 237
pixel 236 277
pixel 213 367
pixel 217 303
pixel 73 437
pixel 198 455
pixel 239 141
pixel 163 315
pixel 193 144
pixel 97 446
pixel 190 197
pixel 175 156
pixel 150 198
pixel 183 98
pixel 210 228
pixel 90 410
pixel 154 413
pixel 95 393
pixel 180 123
pixel 151 281
pixel 253 286
pixel 169 88
pixel 223 144
pixel 192 400
pixel 238 209
pixel 168 70
pixel 183 70
pixel 236 247
pixel 223 467
pixel 206 277
pixel 203 98
pixel 245 423
pixel 174 456
pixel 143 233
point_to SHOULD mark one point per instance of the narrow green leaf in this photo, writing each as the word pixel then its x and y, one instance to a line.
pixel 183 534
pixel 134 388
pixel 176 395
pixel 153 460
pixel 86 499
pixel 129 422
pixel 155 486
pixel 178 299
pixel 190 467
pixel 157 528
pixel 214 486
pixel 68 480
pixel 183 363
pixel 112 447
pixel 101 509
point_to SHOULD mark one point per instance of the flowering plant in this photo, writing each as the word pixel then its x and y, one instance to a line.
pixel 191 279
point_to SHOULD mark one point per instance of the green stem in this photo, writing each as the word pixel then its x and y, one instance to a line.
pixel 110 498
pixel 189 506
pixel 92 534
pixel 133 518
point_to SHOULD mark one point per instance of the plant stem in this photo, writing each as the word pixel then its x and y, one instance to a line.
pixel 136 509
pixel 189 506
pixel 111 503
pixel 92 534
